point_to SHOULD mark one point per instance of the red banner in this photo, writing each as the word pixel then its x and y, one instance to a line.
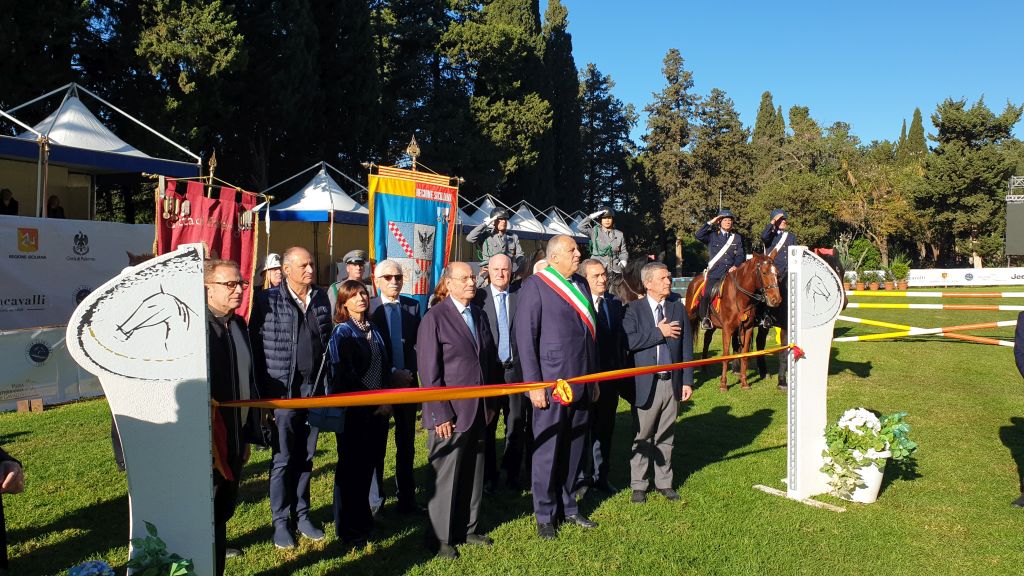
pixel 224 224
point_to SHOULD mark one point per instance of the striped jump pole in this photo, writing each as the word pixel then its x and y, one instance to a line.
pixel 906 306
pixel 921 294
pixel 947 331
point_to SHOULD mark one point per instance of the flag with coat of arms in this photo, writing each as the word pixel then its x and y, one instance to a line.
pixel 412 221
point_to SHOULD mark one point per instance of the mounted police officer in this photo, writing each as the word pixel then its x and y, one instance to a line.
pixel 607 244
pixel 725 253
pixel 778 237
pixel 493 237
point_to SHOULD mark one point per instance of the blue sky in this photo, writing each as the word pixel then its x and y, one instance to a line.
pixel 868 63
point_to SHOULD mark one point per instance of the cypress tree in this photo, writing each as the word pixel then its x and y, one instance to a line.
pixel 764 124
pixel 566 169
pixel 915 144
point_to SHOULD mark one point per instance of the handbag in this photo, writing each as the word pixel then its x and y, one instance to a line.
pixel 326 419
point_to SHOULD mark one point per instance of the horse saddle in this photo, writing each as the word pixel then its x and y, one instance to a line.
pixel 712 292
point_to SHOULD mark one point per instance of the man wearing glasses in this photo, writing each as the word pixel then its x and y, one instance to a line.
pixel 231 378
pixel 289 326
pixel 397 318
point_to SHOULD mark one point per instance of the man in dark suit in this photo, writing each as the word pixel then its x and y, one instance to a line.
pixel 397 318
pixel 659 332
pixel 498 301
pixel 611 355
pixel 455 349
pixel 555 336
pixel 1018 356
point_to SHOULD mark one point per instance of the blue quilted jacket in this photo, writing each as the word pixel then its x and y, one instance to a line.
pixel 273 328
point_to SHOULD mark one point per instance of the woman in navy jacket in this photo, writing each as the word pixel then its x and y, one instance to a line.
pixel 360 362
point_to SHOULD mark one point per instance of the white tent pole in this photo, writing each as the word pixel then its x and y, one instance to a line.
pixel 330 234
pixel 289 179
pixel 44 96
pixel 56 114
pixel 132 118
pixel 20 123
pixel 346 176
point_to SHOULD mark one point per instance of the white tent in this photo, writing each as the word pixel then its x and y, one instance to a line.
pixel 485 204
pixel 72 124
pixel 525 222
pixel 554 223
pixel 469 215
pixel 574 223
pixel 315 201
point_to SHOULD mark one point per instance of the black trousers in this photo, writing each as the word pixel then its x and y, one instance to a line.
pixel 225 497
pixel 518 435
pixel 291 465
pixel 405 455
pixel 360 447
pixel 597 457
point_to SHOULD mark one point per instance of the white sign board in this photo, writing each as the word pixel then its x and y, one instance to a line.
pixel 37 365
pixel 48 265
pixel 144 334
pixel 966 277
pixel 815 301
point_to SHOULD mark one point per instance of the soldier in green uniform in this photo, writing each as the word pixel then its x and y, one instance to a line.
pixel 606 243
pixel 493 237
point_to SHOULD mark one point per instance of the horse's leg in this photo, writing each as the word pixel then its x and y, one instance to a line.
pixel 761 340
pixel 735 364
pixel 747 333
pixel 723 384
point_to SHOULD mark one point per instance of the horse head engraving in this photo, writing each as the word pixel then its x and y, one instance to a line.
pixel 155 310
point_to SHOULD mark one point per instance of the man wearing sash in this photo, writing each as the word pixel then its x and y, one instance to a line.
pixel 778 237
pixel 555 334
pixel 725 250
pixel 607 244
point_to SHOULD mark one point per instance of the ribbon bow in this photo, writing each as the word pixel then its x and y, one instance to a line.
pixel 562 392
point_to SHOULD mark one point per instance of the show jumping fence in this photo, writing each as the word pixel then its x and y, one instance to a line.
pixel 954 332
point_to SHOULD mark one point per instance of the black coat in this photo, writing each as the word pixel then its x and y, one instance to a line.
pixel 225 385
pixel 4 457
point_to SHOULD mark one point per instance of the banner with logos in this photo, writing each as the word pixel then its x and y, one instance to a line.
pixel 48 265
pixel 966 277
pixel 412 221
pixel 223 223
pixel 38 365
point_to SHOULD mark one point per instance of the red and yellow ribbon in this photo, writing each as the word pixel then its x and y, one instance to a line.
pixel 562 391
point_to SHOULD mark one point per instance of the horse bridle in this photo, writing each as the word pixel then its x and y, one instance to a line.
pixel 760 295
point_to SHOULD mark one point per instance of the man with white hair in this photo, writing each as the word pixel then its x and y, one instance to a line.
pixel 397 318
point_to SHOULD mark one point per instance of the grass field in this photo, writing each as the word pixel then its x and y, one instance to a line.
pixel 950 516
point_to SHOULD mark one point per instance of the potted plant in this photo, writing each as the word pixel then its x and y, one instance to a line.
pixel 859 285
pixel 151 558
pixel 887 278
pixel 857 448
pixel 900 268
pixel 871 279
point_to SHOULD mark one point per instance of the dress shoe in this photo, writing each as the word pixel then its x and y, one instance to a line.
pixel 232 552
pixel 606 487
pixel 306 527
pixel 546 531
pixel 479 540
pixel 638 497
pixel 668 493
pixel 283 537
pixel 581 521
pixel 1019 502
pixel 446 551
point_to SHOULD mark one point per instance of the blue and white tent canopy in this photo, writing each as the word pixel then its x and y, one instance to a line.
pixel 315 201
pixel 525 223
pixel 555 223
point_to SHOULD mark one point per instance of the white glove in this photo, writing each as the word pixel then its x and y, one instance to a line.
pixel 489 220
pixel 595 214
pixel 622 264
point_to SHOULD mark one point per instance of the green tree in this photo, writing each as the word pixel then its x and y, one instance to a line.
pixel 604 135
pixel 567 169
pixel 965 179
pixel 916 147
pixel 767 127
pixel 38 44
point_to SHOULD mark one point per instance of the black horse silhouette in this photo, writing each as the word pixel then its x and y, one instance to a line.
pixel 157 309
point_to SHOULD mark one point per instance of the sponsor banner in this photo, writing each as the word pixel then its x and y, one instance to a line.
pixel 412 216
pixel 966 277
pixel 223 223
pixel 37 365
pixel 48 265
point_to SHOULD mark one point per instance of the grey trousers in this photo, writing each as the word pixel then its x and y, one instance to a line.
pixel 458 462
pixel 655 434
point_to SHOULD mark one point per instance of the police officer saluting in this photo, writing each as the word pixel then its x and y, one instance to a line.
pixel 494 238
pixel 607 244
pixel 725 250
pixel 778 237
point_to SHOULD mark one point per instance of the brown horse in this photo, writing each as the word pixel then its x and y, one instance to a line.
pixel 754 282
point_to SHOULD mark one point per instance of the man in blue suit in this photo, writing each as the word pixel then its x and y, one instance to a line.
pixel 455 349
pixel 397 318
pixel 556 337
pixel 659 332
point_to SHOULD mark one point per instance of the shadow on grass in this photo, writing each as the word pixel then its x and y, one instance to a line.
pixel 89 531
pixel 1012 437
pixel 8 438
pixel 707 438
pixel 837 366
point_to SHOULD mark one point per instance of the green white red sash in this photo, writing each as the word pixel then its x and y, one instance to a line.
pixel 571 294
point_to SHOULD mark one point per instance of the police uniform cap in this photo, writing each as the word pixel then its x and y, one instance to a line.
pixel 355 257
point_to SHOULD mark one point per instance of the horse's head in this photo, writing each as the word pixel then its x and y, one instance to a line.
pixel 768 278
pixel 627 286
pixel 156 309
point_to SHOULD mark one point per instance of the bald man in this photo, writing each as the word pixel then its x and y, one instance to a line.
pixel 555 334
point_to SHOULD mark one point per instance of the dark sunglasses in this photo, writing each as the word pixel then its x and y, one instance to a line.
pixel 390 277
pixel 232 284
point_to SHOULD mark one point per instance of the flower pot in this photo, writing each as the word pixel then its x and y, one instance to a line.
pixel 847 286
pixel 890 285
pixel 860 285
pixel 901 284
pixel 872 477
pixel 874 286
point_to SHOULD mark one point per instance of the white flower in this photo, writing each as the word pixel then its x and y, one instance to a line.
pixel 859 421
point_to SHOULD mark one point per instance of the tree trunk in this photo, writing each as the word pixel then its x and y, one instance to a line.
pixel 679 256
pixel 922 251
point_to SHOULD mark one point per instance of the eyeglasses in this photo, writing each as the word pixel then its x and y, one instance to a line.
pixel 232 284
pixel 390 277
pixel 471 278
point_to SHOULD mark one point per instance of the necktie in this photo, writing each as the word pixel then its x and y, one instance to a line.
pixel 469 321
pixel 504 346
pixel 602 317
pixel 659 317
pixel 395 330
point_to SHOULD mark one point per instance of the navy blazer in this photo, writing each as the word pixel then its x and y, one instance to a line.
pixel 769 235
pixel 1018 344
pixel 552 340
pixel 448 355
pixel 645 337
pixel 484 299
pixel 611 341
pixel 715 239
pixel 410 314
pixel 350 358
